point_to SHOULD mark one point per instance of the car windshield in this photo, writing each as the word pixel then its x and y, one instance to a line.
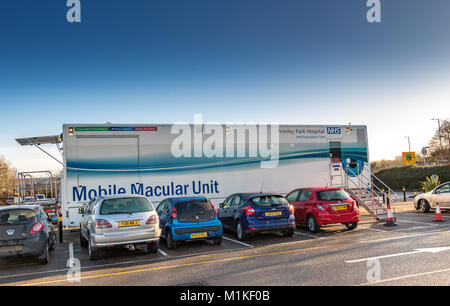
pixel 17 216
pixel 332 195
pixel 194 211
pixel 125 206
pixel 269 200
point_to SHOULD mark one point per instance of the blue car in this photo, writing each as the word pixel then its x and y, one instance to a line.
pixel 250 213
pixel 188 218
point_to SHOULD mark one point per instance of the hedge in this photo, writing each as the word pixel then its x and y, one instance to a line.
pixel 411 176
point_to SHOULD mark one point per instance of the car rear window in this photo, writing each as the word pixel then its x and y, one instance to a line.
pixel 332 195
pixel 125 206
pixel 269 200
pixel 194 211
pixel 17 216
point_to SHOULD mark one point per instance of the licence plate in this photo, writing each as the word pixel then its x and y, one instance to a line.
pixel 199 235
pixel 129 223
pixel 10 248
pixel 273 213
pixel 340 207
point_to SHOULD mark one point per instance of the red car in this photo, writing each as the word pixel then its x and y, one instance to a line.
pixel 318 206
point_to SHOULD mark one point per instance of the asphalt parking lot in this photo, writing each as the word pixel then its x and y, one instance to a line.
pixel 413 252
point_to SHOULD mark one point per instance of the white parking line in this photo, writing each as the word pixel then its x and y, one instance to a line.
pixel 70 250
pixel 309 235
pixel 237 241
pixel 406 276
pixel 163 253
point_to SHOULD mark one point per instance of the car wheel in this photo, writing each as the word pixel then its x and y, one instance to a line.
pixel 217 240
pixel 152 248
pixel 171 244
pixel 94 253
pixel 288 233
pixel 83 241
pixel 45 256
pixel 352 225
pixel 313 226
pixel 424 206
pixel 241 235
pixel 53 243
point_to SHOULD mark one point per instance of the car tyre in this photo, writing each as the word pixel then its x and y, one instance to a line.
pixel 313 226
pixel 288 233
pixel 53 242
pixel 217 240
pixel 152 248
pixel 170 243
pixel 424 206
pixel 45 256
pixel 83 241
pixel 94 253
pixel 351 226
pixel 240 233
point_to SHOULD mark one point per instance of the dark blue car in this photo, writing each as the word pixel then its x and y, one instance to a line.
pixel 188 218
pixel 249 213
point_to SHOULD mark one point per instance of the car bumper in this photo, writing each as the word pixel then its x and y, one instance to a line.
pixel 30 247
pixel 183 233
pixel 325 219
pixel 115 239
pixel 253 226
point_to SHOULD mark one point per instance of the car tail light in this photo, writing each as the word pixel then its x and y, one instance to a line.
pixel 151 220
pixel 37 227
pixel 215 210
pixel 101 223
pixel 173 215
pixel 177 231
pixel 248 210
pixel 291 208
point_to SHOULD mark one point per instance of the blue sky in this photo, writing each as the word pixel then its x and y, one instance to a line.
pixel 291 61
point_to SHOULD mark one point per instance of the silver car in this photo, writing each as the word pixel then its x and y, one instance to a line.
pixel 428 200
pixel 126 221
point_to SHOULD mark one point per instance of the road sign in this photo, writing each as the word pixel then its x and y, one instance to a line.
pixel 409 158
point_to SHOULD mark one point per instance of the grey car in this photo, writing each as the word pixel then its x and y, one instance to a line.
pixel 428 200
pixel 119 221
pixel 25 230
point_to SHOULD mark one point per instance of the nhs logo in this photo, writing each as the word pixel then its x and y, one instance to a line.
pixel 333 130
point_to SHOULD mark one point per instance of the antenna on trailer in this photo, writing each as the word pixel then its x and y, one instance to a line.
pixel 262 186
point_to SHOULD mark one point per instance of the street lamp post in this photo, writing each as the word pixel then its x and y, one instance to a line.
pixel 409 144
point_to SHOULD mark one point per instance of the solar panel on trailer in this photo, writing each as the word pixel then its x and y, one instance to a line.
pixel 39 140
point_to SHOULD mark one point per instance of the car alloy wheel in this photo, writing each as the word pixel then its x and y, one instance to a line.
pixel 312 225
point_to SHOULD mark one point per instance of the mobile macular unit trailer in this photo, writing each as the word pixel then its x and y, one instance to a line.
pixel 163 160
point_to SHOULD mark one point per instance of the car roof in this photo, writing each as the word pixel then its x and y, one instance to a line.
pixel 319 188
pixel 248 195
pixel 186 199
pixel 31 207
pixel 121 196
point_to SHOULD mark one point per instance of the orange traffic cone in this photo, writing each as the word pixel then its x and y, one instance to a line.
pixel 438 216
pixel 390 219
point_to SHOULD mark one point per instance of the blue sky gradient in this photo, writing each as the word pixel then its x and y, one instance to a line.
pixel 160 61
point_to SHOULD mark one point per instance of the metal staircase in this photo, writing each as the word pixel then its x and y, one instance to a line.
pixel 366 188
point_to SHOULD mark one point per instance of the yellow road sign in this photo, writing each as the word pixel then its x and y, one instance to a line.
pixel 409 158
